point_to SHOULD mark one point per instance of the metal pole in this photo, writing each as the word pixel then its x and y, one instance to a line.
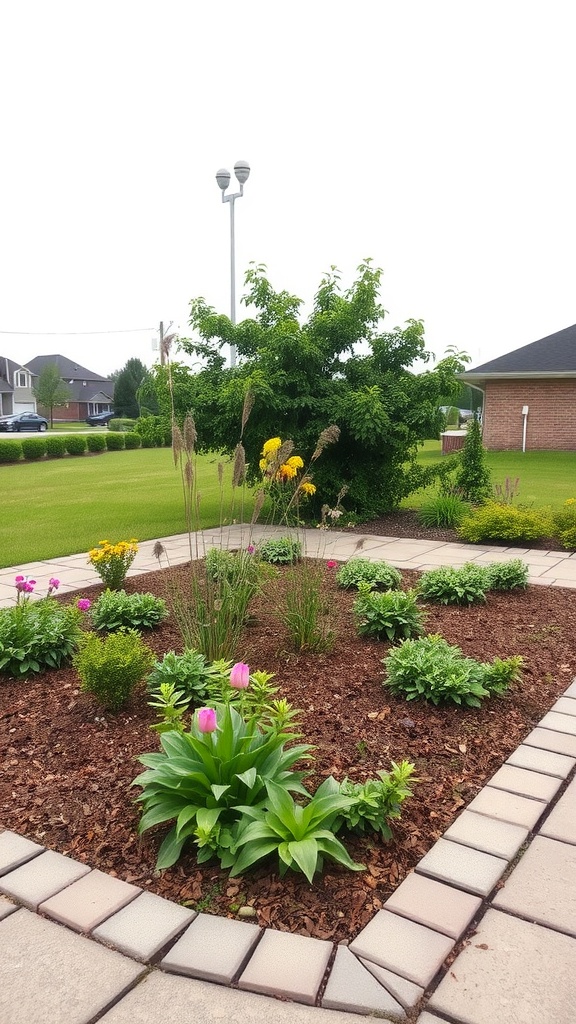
pixel 162 355
pixel 232 279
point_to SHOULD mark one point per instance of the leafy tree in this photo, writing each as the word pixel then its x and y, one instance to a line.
pixel 127 383
pixel 50 390
pixel 335 367
pixel 473 476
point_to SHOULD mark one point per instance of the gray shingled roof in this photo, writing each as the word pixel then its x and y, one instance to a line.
pixel 553 355
pixel 84 385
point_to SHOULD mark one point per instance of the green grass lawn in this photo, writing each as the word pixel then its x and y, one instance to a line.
pixel 545 478
pixel 64 506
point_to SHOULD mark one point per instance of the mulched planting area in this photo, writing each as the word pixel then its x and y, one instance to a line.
pixel 67 765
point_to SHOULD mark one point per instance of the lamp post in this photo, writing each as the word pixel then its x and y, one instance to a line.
pixel 242 172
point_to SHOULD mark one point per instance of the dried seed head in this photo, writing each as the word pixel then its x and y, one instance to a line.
pixel 280 456
pixel 189 473
pixel 258 502
pixel 343 490
pixel 239 466
pixel 220 472
pixel 190 434
pixel 158 550
pixel 247 409
pixel 177 442
pixel 328 436
pixel 359 543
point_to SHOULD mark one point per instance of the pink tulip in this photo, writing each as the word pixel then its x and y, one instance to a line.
pixel 240 676
pixel 83 604
pixel 206 720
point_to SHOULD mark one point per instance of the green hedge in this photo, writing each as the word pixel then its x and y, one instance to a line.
pixel 155 431
pixel 34 448
pixel 120 424
pixel 132 439
pixel 56 447
pixel 96 442
pixel 10 451
pixel 114 442
pixel 75 444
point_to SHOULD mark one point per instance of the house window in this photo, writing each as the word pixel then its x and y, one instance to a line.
pixel 21 380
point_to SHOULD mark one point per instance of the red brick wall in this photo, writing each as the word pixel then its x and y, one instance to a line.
pixel 72 413
pixel 551 416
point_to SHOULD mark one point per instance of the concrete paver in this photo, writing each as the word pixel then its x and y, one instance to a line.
pixel 351 987
pixel 89 901
pixel 406 992
pixel 487 834
pixel 144 927
pixel 546 739
pixel 544 761
pixel 434 904
pixel 462 866
pixel 213 948
pixel 408 949
pixel 42 877
pixel 52 976
pixel 525 783
pixel 287 965
pixel 565 706
pixel 512 971
pixel 561 822
pixel 541 886
pixel 559 723
pixel 6 907
pixel 16 850
pixel 518 810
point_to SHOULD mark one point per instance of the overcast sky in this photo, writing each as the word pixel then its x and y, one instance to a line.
pixel 436 136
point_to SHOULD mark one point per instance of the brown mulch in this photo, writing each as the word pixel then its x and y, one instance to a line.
pixel 67 765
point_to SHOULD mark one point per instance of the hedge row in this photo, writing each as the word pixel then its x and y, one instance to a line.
pixel 34 448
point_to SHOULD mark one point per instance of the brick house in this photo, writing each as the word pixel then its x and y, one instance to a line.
pixel 89 392
pixel 530 395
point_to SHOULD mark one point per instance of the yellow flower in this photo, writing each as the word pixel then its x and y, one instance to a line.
pixel 296 462
pixel 308 488
pixel 263 463
pixel 271 446
pixel 570 501
pixel 286 472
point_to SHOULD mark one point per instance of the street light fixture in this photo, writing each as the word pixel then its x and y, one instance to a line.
pixel 242 172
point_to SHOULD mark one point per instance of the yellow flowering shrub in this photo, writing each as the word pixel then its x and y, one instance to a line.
pixel 112 561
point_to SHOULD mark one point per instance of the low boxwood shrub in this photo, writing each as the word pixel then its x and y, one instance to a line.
pixel 37 635
pixel 388 615
pixel 433 669
pixel 115 609
pixel 96 442
pixel 121 424
pixel 114 442
pixel 75 444
pixel 448 585
pixel 564 523
pixel 111 667
pixel 508 575
pixel 280 550
pixel 33 448
pixel 445 510
pixel 10 451
pixel 56 447
pixel 495 521
pixel 380 575
pixel 132 439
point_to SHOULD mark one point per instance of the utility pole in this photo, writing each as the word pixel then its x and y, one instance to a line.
pixel 162 353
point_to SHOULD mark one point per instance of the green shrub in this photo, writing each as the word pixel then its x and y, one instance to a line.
pixel 432 669
pixel 236 567
pixel 188 673
pixel 473 475
pixel 494 521
pixel 34 448
pixel 114 442
pixel 445 510
pixel 132 440
pixel 75 444
pixel 154 431
pixel 377 801
pixel 120 424
pixel 10 451
pixel 387 615
pixel 38 635
pixel 96 442
pixel 447 585
pixel 508 575
pixel 115 609
pixel 56 447
pixel 110 667
pixel 280 550
pixel 380 575
pixel 564 523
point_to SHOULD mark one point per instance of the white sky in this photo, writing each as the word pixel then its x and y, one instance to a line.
pixel 436 136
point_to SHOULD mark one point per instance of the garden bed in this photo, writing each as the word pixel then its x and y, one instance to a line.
pixel 67 766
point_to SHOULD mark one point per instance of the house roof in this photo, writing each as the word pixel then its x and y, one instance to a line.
pixel 7 370
pixel 553 356
pixel 84 385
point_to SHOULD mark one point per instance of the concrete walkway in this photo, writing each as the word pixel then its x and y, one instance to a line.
pixel 499 888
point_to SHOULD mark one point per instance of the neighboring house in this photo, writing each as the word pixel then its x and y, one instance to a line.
pixel 530 395
pixel 89 392
pixel 16 394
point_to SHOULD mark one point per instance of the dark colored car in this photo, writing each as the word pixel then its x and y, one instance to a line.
pixel 100 419
pixel 23 421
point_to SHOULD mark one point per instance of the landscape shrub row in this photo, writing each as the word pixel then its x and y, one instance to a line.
pixel 147 432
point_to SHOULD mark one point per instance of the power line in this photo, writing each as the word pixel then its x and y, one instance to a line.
pixel 43 334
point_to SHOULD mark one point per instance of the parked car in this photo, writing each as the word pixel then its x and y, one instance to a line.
pixel 23 421
pixel 100 419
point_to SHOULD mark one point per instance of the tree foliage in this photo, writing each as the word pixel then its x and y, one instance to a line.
pixel 473 476
pixel 50 390
pixel 337 366
pixel 128 381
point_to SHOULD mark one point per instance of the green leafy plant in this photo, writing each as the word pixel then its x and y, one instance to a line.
pixel 34 448
pixel 379 574
pixel 114 442
pixel 448 585
pixel 120 424
pixel 388 615
pixel 10 451
pixel 302 837
pixel 112 561
pixel 445 510
pixel 154 431
pixel 96 443
pixel 202 777
pixel 432 669
pixel 75 444
pixel 191 674
pixel 305 611
pixel 564 523
pixel 280 550
pixel 115 609
pixel 171 706
pixel 495 522
pixel 56 447
pixel 377 801
pixel 473 475
pixel 132 440
pixel 37 636
pixel 110 667
pixel 510 575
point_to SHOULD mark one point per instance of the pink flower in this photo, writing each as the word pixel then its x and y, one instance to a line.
pixel 240 676
pixel 19 579
pixel 250 549
pixel 53 583
pixel 83 604
pixel 28 588
pixel 206 720
pixel 331 564
pixel 32 583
